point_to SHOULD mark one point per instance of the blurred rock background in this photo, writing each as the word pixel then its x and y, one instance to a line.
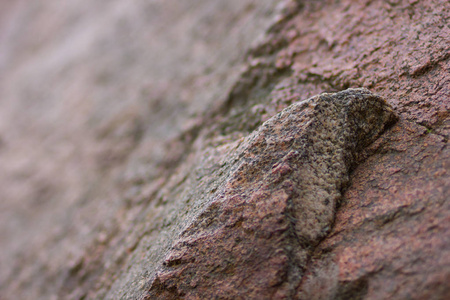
pixel 82 85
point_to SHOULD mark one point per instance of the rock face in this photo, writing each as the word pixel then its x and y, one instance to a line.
pixel 158 150
pixel 276 202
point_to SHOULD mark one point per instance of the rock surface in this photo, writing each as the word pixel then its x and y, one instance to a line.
pixel 122 123
pixel 275 203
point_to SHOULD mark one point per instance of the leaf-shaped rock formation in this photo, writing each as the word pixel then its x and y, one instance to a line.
pixel 256 235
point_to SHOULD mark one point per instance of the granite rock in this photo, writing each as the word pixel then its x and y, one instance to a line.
pixel 254 236
pixel 124 130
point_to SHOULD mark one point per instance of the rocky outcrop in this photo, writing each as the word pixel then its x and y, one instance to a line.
pixel 159 150
pixel 255 234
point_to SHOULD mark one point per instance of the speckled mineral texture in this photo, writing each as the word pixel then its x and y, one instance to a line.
pixel 255 234
pixel 121 123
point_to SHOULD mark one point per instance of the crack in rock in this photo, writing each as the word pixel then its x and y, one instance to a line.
pixel 255 237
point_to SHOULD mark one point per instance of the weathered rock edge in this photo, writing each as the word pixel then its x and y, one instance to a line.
pixel 256 234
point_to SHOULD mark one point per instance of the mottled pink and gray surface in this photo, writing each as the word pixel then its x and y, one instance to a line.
pixel 117 120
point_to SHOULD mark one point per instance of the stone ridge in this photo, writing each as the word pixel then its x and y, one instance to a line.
pixel 257 233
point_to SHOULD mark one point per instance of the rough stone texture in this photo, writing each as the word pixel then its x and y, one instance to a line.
pixel 255 235
pixel 117 121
